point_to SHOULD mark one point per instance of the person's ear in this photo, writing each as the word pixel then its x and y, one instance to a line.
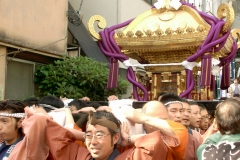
pixel 116 137
pixel 19 123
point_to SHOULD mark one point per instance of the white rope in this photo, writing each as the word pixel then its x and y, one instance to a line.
pixel 16 115
pixel 215 70
pixel 172 102
pixel 186 64
pixel 189 65
pixel 128 64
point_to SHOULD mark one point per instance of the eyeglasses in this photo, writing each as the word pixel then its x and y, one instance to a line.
pixel 98 136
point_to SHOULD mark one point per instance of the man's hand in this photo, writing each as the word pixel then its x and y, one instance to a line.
pixel 63 98
pixel 35 110
pixel 112 98
pixel 86 109
pixel 85 99
pixel 104 108
pixel 135 116
pixel 125 134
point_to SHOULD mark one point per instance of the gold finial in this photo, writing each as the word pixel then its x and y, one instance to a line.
pixel 226 11
pixel 236 35
pixel 101 25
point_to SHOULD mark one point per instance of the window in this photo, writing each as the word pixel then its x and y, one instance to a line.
pixel 20 75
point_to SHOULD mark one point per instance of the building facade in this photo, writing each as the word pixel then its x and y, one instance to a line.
pixel 31 33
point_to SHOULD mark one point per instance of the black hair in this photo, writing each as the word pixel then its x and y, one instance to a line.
pixel 13 106
pixel 211 114
pixel 78 103
pixel 52 101
pixel 93 104
pixel 160 94
pixel 191 103
pixel 185 100
pixel 31 101
pixel 168 97
pixel 201 106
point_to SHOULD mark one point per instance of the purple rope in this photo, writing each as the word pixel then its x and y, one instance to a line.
pixel 112 50
pixel 230 57
pixel 208 45
pixel 190 86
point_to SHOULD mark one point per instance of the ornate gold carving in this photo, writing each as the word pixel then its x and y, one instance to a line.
pixel 236 34
pixel 169 31
pixel 170 40
pixel 130 34
pixel 182 12
pixel 101 25
pixel 179 31
pixel 186 29
pixel 167 15
pixel 200 28
pixel 226 11
pixel 149 33
pixel 159 32
pixel 139 34
pixel 165 69
pixel 190 29
pixel 120 34
pixel 165 57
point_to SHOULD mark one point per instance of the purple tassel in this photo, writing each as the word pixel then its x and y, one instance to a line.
pixel 113 74
pixel 206 69
pixel 225 81
pixel 213 83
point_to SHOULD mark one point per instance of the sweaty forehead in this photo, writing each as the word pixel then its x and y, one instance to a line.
pixel 5 118
pixel 195 108
pixel 96 128
pixel 175 106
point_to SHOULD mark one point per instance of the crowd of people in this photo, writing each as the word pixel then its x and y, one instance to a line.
pixel 171 128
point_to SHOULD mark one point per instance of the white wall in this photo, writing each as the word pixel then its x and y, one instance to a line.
pixel 114 11
pixel 34 24
pixel 132 8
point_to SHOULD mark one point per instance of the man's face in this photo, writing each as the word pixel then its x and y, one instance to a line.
pixel 195 116
pixel 100 148
pixel 186 114
pixel 204 120
pixel 73 108
pixel 175 111
pixel 9 129
pixel 235 81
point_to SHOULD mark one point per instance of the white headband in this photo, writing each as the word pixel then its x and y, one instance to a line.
pixel 16 115
pixel 171 102
pixel 48 106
